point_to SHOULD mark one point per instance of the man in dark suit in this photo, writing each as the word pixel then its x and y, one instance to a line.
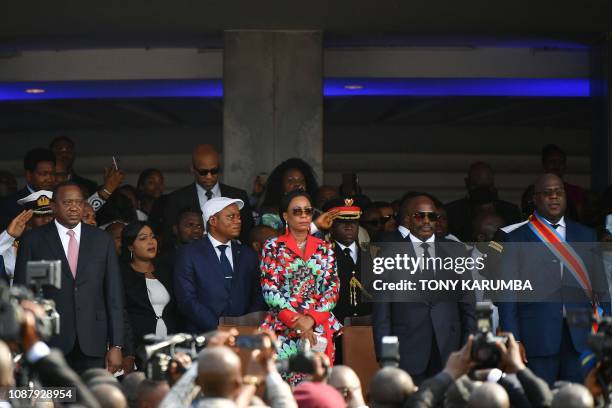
pixel 217 276
pixel 552 347
pixel 480 180
pixel 39 166
pixel 428 330
pixel 63 148
pixel 90 301
pixel 206 168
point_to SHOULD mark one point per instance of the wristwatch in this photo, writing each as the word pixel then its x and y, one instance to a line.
pixel 495 375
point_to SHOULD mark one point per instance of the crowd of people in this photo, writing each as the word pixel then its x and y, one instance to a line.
pixel 136 262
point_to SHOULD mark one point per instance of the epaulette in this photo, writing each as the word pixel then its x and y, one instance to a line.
pixel 496 246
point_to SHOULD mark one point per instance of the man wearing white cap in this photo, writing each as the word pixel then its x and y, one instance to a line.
pixel 217 276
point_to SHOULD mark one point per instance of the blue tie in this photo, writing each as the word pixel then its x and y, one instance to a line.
pixel 226 267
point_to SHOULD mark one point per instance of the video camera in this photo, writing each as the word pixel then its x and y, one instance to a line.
pixel 484 349
pixel 38 275
pixel 157 352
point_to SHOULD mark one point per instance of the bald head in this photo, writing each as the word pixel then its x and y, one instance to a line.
pixel 219 372
pixel 489 395
pixel 390 387
pixel 205 161
pixel 549 197
pixel 6 366
pixel 573 396
pixel 259 235
pixel 344 379
pixel 480 174
pixel 109 396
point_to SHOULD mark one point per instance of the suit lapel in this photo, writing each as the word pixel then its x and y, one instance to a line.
pixel 212 259
pixel 55 243
pixel 193 192
pixel 86 247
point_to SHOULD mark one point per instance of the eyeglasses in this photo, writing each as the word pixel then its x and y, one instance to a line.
pixel 420 215
pixel 206 172
pixel 298 211
pixel 559 192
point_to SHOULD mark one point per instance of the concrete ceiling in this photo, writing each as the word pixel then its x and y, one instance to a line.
pixel 78 24
pixel 561 113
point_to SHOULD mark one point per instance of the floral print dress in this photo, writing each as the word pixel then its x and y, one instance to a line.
pixel 291 285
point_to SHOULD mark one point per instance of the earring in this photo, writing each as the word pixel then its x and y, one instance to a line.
pixel 131 256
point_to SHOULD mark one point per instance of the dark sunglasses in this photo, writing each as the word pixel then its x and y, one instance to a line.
pixel 420 215
pixel 206 172
pixel 298 211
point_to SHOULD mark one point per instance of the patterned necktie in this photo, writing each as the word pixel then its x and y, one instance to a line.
pixel 226 266
pixel 555 226
pixel 73 252
pixel 208 195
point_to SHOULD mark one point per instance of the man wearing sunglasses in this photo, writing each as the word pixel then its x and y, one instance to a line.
pixel 206 169
pixel 433 328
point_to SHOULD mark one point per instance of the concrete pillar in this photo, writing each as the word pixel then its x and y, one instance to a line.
pixel 273 102
pixel 601 94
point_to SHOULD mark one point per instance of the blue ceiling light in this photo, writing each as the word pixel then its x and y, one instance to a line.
pixel 525 87
pixel 333 87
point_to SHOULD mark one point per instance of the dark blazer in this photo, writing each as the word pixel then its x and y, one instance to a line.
pixel 90 306
pixel 460 216
pixel 345 269
pixel 188 197
pixel 415 323
pixel 142 317
pixel 539 325
pixel 9 207
pixel 200 285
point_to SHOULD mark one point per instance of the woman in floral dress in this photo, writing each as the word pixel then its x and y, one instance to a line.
pixel 299 284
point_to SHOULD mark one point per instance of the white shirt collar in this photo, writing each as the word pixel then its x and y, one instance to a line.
pixel 63 230
pixel 416 240
pixel 403 230
pixel 216 191
pixel 215 243
pixel 352 247
pixel 561 222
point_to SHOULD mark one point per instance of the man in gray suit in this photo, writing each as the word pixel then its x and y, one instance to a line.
pixel 431 329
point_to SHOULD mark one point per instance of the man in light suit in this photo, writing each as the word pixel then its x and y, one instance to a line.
pixel 90 301
pixel 431 329
pixel 206 168
pixel 552 347
pixel 217 276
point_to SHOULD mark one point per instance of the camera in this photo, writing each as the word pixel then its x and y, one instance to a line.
pixel 303 362
pixel 157 352
pixel 600 344
pixel 389 352
pixel 39 274
pixel 484 349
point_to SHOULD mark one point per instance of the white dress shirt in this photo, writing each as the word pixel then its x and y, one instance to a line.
pixel 403 231
pixel 202 199
pixel 352 247
pixel 228 250
pixel 65 238
pixel 418 249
